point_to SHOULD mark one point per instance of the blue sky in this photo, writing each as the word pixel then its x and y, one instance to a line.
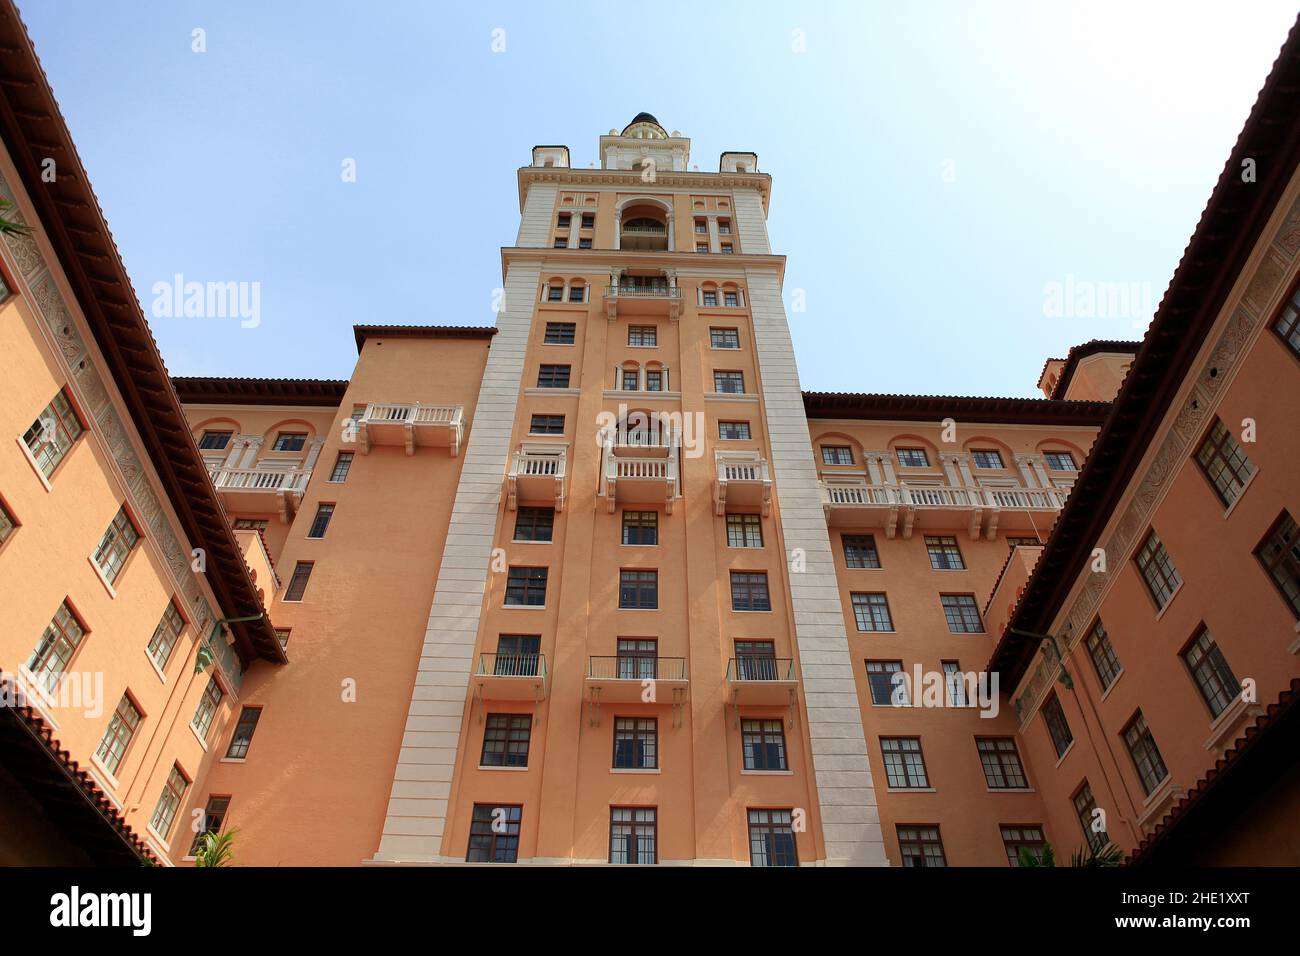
pixel 936 166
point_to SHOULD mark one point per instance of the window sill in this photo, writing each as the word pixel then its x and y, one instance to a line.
pixel 1106 693
pixel 638 608
pixel 1172 597
pixel 162 676
pixel 233 760
pixel 1064 754
pixel 202 743
pixel 1160 797
pixel 731 397
pixel 1010 789
pixel 106 778
pixel 911 790
pixel 542 390
pixel 1233 716
pixel 27 453
pixel 510 769
pixel 767 773
pixel 634 770
pixel 641 394
pixel 522 541
pixel 523 607
pixel 99 573
pixel 162 841
pixel 1241 494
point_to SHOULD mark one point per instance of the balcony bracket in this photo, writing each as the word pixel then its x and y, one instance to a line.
pixel 909 518
pixel 794 708
pixel 891 523
pixel 992 531
pixel 679 705
pixel 408 435
pixel 593 707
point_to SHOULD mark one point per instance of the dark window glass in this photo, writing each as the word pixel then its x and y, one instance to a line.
pixel 1287 324
pixel 1279 553
pixel 1158 571
pixel 534 524
pixel 494 834
pixel 884 685
pixel 636 743
pixel 1142 748
pixel 731 383
pixel 987 458
pixel 342 465
pixel 526 586
pixel 638 589
pixel 214 816
pixel 547 425
pixel 837 455
pixel 1029 839
pixel 561 333
pixel 553 376
pixel 733 431
pixel 763 744
pixel 744 531
pixel 52 434
pixel 945 554
pixel 1060 461
pixel 298 583
pixel 771 838
pixel 725 338
pixel 1210 670
pixel 913 458
pixel 962 613
pixel 904 763
pixel 518 655
pixel 1104 660
pixel 214 441
pixel 632 835
pixel 1084 808
pixel 749 591
pixel 920 846
pixel 290 441
pixel 640 527
pixel 1224 463
pixel 115 546
pixel 321 521
pixel 860 551
pixel 1057 726
pixel 505 740
pixel 1001 762
pixel 242 737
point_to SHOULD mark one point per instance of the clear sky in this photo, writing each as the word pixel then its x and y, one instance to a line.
pixel 937 166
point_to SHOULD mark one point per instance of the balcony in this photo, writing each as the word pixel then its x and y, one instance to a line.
pixel 640 479
pixel 536 474
pixel 261 491
pixel 851 501
pixel 1009 586
pixel 762 680
pixel 411 426
pixel 742 482
pixel 510 677
pixel 643 299
pixel 661 681
pixel 260 568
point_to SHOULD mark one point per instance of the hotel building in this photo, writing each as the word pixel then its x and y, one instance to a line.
pixel 602 584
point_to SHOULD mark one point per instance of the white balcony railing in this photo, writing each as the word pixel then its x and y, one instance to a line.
pixel 411 425
pixel 258 489
pixel 536 474
pixel 850 500
pixel 641 479
pixel 742 481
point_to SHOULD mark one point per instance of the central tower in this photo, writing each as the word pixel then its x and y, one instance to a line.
pixel 636 649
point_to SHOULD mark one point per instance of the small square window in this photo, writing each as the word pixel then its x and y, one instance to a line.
pixel 749 591
pixel 560 333
pixel 553 376
pixel 744 531
pixel 638 589
pixel 546 425
pixel 962 613
pixel 860 551
pixel 871 611
pixel 526 587
pixel 578 293
pixel 733 431
pixel 945 554
pixel 534 524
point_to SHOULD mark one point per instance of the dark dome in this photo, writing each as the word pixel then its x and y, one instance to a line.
pixel 642 118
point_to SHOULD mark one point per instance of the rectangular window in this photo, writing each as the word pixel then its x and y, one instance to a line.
pixel 631 380
pixel 561 243
pixel 342 465
pixel 1104 660
pixel 960 693
pixel 555 293
pixel 282 635
pixel 1279 553
pixel 1057 726
pixel 562 221
pixel 704 247
pixel 913 458
pixel 534 524
pixel 756 660
pixel 727 249
pixel 214 817
pixel 771 838
pixel 494 833
pixel 588 220
pixel 837 455
pixel 749 591
pixel 1287 324
pixel 701 226
pixel 636 741
pixel 245 727
pixel 920 846
pixel 58 643
pixel 7 523
pixel 638 658
pixel 744 531
pixel 214 441
pixel 117 736
pixel 526 587
pixel 322 521
pixel 553 376
pixel 164 814
pixel 987 458
pixel 871 610
pixel 654 380
pixel 729 383
pixel 207 708
pixel 1001 762
pixel 578 293
pixel 290 441
pixel 724 338
pixel 640 527
pixel 724 227
pixel 1060 461
pixel 1210 670
pixel 638 589
pixel 962 613
pixel 505 740
pixel 1085 808
pixel 883 683
pixel 731 299
pixel 860 551
pixel 518 655
pixel 561 333
pixel 945 554
pixel 904 763
pixel 1158 571
pixel 53 433
pixel 546 425
pixel 643 336
pixel 1023 839
pixel 165 636
pixel 632 835
pixel 583 244
pixel 1142 748
pixel 298 582
pixel 115 546
pixel 733 431
pixel 763 744
pixel 1224 463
